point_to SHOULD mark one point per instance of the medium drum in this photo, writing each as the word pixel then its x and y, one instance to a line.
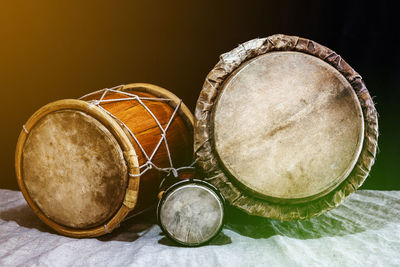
pixel 191 212
pixel 84 165
pixel 285 128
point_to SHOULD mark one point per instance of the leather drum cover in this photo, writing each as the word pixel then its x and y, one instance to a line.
pixel 285 128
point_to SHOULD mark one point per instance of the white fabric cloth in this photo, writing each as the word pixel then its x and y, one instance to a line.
pixel 364 231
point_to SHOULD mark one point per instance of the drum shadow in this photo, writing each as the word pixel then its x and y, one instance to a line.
pixel 363 211
pixel 131 229
pixel 220 240
pixel 24 216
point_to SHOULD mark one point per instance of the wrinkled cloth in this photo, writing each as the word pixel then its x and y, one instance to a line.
pixel 364 230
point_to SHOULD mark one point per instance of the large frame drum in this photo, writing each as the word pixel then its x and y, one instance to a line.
pixel 285 128
pixel 84 165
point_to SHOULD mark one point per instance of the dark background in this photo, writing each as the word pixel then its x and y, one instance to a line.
pixel 51 50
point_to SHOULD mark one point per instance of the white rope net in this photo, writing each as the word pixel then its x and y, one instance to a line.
pixel 163 136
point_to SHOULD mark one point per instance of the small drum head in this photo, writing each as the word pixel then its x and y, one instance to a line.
pixel 191 212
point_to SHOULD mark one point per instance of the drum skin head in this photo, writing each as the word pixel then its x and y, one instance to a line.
pixel 298 126
pixel 72 162
pixel 284 128
pixel 74 169
pixel 191 212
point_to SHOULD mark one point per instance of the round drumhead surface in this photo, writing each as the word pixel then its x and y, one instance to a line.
pixel 288 126
pixel 191 214
pixel 73 169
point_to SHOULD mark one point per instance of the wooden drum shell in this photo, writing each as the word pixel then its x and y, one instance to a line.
pixel 141 191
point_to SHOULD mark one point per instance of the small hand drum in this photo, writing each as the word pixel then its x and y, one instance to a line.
pixel 191 212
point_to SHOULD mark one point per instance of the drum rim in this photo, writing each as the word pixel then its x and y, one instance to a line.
pixel 182 183
pixel 123 141
pixel 129 154
pixel 208 161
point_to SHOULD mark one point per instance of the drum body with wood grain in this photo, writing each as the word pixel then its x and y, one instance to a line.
pixel 79 166
pixel 285 128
